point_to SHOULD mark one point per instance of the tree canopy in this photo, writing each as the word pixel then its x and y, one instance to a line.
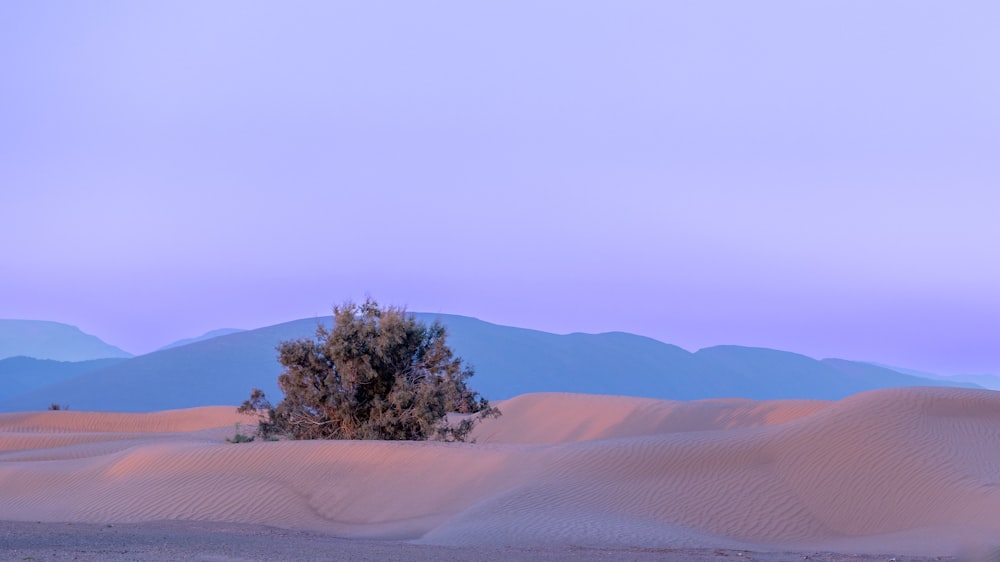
pixel 377 374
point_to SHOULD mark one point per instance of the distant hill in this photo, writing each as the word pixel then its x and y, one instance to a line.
pixel 991 382
pixel 216 371
pixel 51 340
pixel 508 361
pixel 511 361
pixel 203 337
pixel 19 375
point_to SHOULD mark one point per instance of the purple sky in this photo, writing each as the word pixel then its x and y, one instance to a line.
pixel 821 177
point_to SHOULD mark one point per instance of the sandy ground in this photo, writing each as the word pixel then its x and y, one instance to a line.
pixel 911 474
pixel 172 540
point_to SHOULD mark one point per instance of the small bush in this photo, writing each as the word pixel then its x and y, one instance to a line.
pixel 55 406
pixel 239 437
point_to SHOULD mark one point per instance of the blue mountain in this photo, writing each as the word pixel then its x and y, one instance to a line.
pixel 52 340
pixel 205 336
pixel 508 361
pixel 19 375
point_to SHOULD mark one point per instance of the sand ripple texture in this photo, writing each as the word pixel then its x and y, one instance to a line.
pixel 913 470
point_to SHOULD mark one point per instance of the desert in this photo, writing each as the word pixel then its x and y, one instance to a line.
pixel 718 280
pixel 905 472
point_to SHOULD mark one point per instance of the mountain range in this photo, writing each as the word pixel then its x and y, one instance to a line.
pixel 991 382
pixel 206 336
pixel 221 369
pixel 52 340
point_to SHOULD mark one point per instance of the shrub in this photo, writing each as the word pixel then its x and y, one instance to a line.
pixel 239 437
pixel 377 374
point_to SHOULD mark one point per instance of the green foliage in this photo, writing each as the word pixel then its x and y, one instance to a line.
pixel 378 374
pixel 239 437
pixel 56 406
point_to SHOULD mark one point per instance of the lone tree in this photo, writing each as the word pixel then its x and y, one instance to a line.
pixel 378 374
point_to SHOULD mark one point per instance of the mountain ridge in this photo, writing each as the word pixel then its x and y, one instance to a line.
pixel 206 336
pixel 20 374
pixel 509 361
pixel 44 339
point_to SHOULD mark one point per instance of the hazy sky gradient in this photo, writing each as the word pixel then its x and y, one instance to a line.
pixel 814 176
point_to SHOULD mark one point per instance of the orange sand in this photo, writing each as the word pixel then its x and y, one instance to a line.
pixel 905 470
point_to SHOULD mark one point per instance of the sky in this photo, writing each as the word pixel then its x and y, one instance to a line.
pixel 820 177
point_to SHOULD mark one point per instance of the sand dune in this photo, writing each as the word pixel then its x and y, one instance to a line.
pixel 904 470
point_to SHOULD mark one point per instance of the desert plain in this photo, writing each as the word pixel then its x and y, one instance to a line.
pixel 906 473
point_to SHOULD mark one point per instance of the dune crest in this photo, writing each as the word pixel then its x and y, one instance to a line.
pixel 904 470
pixel 168 421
